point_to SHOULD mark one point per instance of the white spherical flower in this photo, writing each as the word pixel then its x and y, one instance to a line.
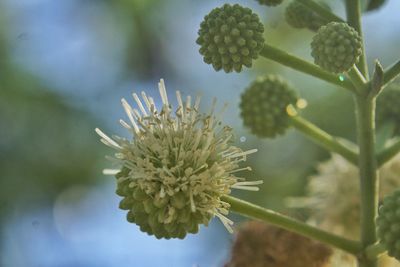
pixel 176 167
pixel 334 194
pixel 333 198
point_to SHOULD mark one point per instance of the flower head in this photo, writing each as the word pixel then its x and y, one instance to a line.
pixel 336 47
pixel 334 194
pixel 263 106
pixel 176 167
pixel 230 37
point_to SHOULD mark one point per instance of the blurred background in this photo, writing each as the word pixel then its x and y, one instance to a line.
pixel 65 65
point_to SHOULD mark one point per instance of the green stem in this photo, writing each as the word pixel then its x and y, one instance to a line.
pixel 368 173
pixel 353 10
pixel 301 65
pixel 375 250
pixel 253 211
pixel 357 79
pixel 365 111
pixel 391 73
pixel 321 11
pixel 323 139
pixel 388 153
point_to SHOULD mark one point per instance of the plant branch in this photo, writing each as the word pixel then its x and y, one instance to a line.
pixel 256 212
pixel 357 79
pixel 391 73
pixel 388 153
pixel 323 139
pixel 301 65
pixel 321 11
pixel 353 10
pixel 365 108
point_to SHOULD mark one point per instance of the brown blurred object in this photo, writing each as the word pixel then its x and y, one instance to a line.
pixel 261 245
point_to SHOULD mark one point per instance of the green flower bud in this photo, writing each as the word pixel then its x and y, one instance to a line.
pixel 388 224
pixel 299 16
pixel 230 37
pixel 263 106
pixel 270 2
pixel 388 108
pixel 176 167
pixel 336 47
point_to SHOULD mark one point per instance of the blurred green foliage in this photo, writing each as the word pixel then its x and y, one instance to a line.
pixel 46 144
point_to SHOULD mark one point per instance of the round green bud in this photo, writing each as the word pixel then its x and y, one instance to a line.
pixel 388 108
pixel 270 2
pixel 336 47
pixel 230 37
pixel 263 106
pixel 299 16
pixel 388 224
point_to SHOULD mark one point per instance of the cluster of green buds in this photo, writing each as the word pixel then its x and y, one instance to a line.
pixel 264 104
pixel 268 104
pixel 230 37
pixel 336 47
pixel 388 223
pixel 178 169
